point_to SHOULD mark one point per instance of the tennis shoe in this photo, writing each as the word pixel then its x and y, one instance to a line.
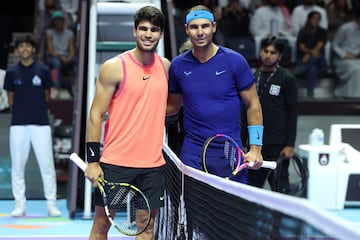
pixel 53 211
pixel 19 210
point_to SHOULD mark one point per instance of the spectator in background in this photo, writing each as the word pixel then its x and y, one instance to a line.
pixel 311 41
pixel 187 45
pixel 277 90
pixel 338 12
pixel 234 20
pixel 300 13
pixel 43 18
pixel 70 7
pixel 273 18
pixel 254 4
pixel 346 48
pixel 60 45
pixel 28 86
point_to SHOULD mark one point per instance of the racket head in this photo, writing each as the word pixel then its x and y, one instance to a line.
pixel 126 207
pixel 221 155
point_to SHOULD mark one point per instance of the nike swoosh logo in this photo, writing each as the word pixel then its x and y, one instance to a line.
pixel 219 72
pixel 258 135
pixel 162 198
pixel 92 154
pixel 146 77
pixel 187 73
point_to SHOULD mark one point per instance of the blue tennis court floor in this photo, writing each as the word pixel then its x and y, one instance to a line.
pixel 37 225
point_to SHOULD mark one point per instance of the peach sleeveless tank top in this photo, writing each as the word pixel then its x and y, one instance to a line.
pixel 134 131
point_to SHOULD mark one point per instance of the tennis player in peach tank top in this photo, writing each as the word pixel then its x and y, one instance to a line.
pixel 132 89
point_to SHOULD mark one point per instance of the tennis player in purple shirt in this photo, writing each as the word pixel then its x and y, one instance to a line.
pixel 211 82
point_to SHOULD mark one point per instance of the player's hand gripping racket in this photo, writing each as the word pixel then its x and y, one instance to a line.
pixel 221 147
pixel 126 207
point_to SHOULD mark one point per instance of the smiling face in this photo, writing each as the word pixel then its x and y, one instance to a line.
pixel 25 50
pixel 200 32
pixel 147 36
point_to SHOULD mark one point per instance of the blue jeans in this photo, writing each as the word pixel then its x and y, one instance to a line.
pixel 56 67
pixel 311 70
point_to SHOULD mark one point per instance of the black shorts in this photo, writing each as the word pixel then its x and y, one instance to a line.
pixel 149 180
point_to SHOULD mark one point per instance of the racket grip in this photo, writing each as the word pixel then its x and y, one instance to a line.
pixel 78 161
pixel 265 164
pixel 269 164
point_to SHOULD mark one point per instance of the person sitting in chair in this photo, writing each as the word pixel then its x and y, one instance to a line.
pixel 60 43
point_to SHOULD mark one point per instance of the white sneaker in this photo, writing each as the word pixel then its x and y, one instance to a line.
pixel 19 210
pixel 53 211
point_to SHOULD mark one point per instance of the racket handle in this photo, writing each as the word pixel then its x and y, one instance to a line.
pixel 269 164
pixel 78 161
pixel 265 164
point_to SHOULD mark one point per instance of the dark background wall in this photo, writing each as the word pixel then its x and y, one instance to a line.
pixel 15 16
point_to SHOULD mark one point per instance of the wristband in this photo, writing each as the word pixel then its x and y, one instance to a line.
pixel 256 134
pixel 92 152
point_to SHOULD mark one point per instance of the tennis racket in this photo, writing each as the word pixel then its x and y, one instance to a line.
pixel 221 147
pixel 126 207
pixel 296 182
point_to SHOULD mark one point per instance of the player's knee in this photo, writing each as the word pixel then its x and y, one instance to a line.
pixel 101 227
pixel 101 224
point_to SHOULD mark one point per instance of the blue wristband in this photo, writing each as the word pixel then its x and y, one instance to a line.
pixel 256 134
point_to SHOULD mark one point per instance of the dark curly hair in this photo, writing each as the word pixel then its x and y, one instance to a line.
pixel 278 44
pixel 25 38
pixel 151 14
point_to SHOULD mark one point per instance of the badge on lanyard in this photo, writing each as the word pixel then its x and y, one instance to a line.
pixel 274 90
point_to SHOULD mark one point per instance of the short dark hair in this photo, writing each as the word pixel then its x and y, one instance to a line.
pixel 25 38
pixel 151 14
pixel 278 44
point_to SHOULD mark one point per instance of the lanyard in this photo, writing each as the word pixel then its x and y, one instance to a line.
pixel 260 91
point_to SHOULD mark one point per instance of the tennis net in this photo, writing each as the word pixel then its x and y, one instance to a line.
pixel 205 207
